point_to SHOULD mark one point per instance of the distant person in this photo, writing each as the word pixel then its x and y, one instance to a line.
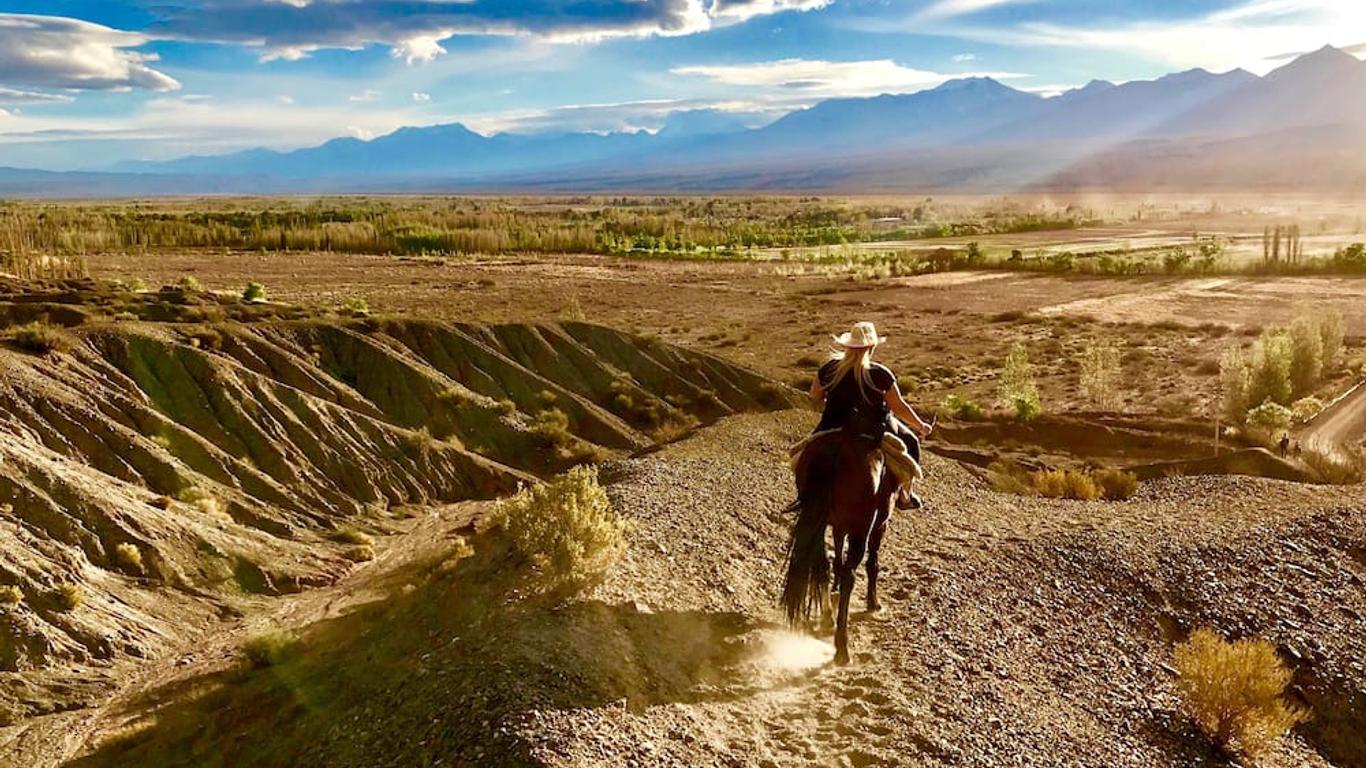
pixel 1285 444
pixel 858 394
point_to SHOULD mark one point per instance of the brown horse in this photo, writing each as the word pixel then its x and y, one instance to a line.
pixel 842 484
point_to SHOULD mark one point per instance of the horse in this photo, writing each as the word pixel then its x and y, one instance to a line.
pixel 842 484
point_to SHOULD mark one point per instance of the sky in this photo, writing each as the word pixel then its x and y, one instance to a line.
pixel 88 83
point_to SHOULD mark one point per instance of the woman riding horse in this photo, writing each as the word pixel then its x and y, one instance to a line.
pixel 847 473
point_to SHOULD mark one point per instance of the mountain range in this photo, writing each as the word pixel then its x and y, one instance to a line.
pixel 1302 126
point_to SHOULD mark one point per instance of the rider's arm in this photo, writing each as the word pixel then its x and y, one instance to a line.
pixel 903 410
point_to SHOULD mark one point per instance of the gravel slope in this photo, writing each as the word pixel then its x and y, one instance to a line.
pixel 1019 631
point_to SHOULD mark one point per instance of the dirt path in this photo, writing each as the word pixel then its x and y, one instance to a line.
pixel 1341 424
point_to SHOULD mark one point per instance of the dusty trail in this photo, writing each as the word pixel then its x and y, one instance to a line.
pixel 1341 424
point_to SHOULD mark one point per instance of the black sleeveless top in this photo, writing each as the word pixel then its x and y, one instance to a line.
pixel 849 404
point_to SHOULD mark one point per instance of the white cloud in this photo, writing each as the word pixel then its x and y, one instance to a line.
pixel 621 117
pixel 14 96
pixel 57 52
pixel 1247 35
pixel 285 99
pixel 364 134
pixel 962 57
pixel 365 96
pixel 421 98
pixel 828 78
pixel 414 30
pixel 945 9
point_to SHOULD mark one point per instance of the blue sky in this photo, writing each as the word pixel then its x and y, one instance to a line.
pixel 84 83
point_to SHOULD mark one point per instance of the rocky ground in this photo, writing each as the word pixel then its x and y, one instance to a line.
pixel 1018 631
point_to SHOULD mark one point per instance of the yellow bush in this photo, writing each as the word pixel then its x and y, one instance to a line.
pixel 69 596
pixel 1065 484
pixel 1115 484
pixel 1234 691
pixel 11 595
pixel 566 528
pixel 128 556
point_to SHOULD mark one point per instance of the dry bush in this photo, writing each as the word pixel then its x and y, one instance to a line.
pixel 40 338
pixel 11 595
pixel 269 648
pixel 129 557
pixel 1065 484
pixel 254 293
pixel 361 553
pixel 567 529
pixel 69 596
pixel 1336 467
pixel 1115 484
pixel 348 535
pixel 1234 691
pixel 1008 477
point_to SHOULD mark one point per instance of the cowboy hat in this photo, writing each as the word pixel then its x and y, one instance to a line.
pixel 861 336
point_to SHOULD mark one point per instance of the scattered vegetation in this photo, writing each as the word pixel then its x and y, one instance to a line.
pixel 1234 691
pixel 960 407
pixel 356 307
pixel 11 595
pixel 1284 364
pixel 40 338
pixel 567 529
pixel 1269 420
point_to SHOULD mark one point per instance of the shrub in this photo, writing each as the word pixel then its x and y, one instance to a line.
pixel 348 535
pixel 506 407
pixel 356 306
pixel 771 395
pixel 1234 691
pixel 254 292
pixel 69 596
pixel 1305 409
pixel 269 648
pixel 1065 484
pixel 361 553
pixel 1115 484
pixel 40 338
pixel 190 283
pixel 567 529
pixel 128 556
pixel 11 595
pixel 1026 409
pixel 1008 477
pixel 547 399
pixel 959 407
pixel 1269 419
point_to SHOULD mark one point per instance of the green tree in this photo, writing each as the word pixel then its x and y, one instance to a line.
pixel 1017 388
pixel 1306 355
pixel 1234 380
pixel 1100 374
pixel 1270 368
pixel 1331 329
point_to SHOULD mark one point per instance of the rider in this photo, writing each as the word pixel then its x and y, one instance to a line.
pixel 863 395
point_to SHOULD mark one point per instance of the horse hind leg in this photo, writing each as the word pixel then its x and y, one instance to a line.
pixel 827 609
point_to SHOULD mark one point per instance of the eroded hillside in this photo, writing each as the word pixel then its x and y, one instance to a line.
pixel 157 474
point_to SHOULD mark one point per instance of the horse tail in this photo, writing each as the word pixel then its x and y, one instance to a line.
pixel 807 582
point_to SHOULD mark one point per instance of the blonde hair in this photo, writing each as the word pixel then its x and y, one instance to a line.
pixel 857 361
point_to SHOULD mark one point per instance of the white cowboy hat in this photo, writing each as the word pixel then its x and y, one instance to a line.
pixel 861 336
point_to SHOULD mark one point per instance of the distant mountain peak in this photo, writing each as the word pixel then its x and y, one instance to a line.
pixel 1326 61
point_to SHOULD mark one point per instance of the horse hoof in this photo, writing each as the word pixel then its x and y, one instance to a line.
pixel 842 658
pixel 875 607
